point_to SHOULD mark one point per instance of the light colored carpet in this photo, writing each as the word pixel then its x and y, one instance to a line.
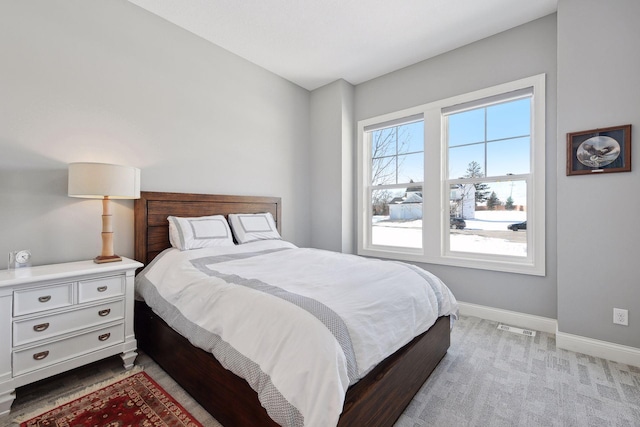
pixel 488 378
pixel 495 378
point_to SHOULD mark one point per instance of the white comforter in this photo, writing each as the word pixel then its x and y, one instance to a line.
pixel 300 325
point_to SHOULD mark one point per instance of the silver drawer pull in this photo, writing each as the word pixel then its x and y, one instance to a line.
pixel 41 327
pixel 41 355
pixel 103 313
pixel 104 337
pixel 44 299
pixel 102 288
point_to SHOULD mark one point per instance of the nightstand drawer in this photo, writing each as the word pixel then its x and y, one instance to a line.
pixel 41 299
pixel 47 354
pixel 26 331
pixel 106 287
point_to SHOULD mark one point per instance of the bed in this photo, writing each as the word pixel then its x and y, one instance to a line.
pixel 378 399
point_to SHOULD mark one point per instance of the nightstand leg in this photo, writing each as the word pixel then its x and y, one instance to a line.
pixel 6 399
pixel 128 358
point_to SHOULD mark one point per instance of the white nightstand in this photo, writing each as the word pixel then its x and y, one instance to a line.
pixel 61 316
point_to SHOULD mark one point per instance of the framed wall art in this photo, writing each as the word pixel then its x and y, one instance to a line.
pixel 599 151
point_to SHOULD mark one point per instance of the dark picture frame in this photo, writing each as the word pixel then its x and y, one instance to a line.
pixel 596 151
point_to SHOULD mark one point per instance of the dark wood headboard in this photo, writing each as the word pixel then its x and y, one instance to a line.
pixel 152 209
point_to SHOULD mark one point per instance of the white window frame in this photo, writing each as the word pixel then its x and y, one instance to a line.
pixel 436 192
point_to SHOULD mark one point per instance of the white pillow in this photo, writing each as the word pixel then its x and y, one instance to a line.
pixel 199 232
pixel 251 227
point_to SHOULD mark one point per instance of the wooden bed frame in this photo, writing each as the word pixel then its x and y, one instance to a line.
pixel 376 400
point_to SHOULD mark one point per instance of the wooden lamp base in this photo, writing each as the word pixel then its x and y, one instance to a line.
pixel 102 259
pixel 107 254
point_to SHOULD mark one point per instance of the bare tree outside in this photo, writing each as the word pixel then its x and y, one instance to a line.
pixel 386 145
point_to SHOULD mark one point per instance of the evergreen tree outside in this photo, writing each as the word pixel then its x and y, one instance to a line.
pixel 493 201
pixel 509 204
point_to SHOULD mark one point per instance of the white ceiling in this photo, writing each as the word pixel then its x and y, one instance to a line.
pixel 315 42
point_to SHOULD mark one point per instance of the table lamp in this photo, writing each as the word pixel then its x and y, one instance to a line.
pixel 104 181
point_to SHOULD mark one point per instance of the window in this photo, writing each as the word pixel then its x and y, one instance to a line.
pixel 397 170
pixel 488 157
pixel 458 181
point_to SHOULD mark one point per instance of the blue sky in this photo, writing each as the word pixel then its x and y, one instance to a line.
pixel 506 153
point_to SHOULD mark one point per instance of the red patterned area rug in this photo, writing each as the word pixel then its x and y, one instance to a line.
pixel 136 400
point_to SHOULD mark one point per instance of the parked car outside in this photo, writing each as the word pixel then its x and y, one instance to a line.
pixel 518 226
pixel 455 222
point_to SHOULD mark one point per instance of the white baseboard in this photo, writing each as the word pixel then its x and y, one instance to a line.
pixel 512 318
pixel 592 347
pixel 603 349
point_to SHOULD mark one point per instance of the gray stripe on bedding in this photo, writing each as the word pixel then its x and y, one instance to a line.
pixel 332 321
pixel 278 408
pixel 233 257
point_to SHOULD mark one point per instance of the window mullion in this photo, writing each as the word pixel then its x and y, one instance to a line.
pixel 397 163
pixel 486 137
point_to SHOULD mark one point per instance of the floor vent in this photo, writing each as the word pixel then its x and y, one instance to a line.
pixel 515 330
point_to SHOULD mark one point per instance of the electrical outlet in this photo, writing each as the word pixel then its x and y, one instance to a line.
pixel 621 316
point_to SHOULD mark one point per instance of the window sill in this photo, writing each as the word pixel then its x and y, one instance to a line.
pixel 499 264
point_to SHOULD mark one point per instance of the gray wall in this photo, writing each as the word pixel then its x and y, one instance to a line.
pixel 109 82
pixel 598 231
pixel 332 167
pixel 521 52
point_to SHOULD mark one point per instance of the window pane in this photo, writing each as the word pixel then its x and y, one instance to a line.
pixel 509 119
pixel 383 170
pixel 489 218
pixel 410 168
pixel 461 157
pixel 506 149
pixel 466 127
pixel 398 154
pixel 397 217
pixel 510 156
pixel 411 138
pixel 383 142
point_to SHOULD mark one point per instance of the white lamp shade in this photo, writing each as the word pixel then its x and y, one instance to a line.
pixel 96 180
